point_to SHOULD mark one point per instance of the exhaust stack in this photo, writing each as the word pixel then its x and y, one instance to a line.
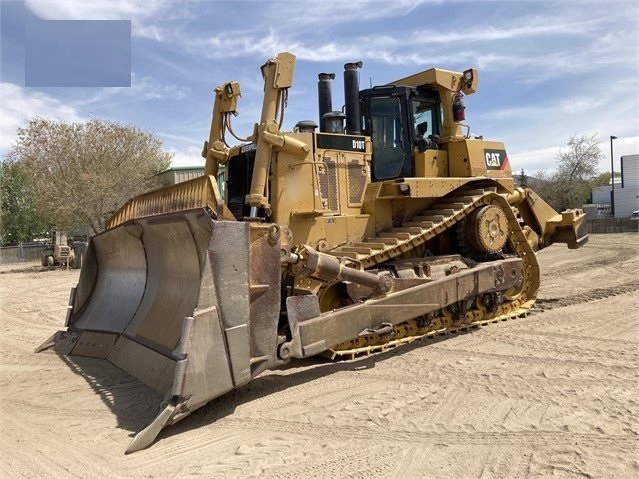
pixel 324 96
pixel 351 98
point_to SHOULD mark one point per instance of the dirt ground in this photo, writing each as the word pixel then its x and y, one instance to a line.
pixel 551 395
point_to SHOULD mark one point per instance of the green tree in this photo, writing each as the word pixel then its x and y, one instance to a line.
pixel 19 221
pixel 570 185
pixel 83 172
pixel 522 179
pixel 603 179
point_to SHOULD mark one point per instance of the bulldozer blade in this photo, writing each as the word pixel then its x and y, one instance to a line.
pixel 186 304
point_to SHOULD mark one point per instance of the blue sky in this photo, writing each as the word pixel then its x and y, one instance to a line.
pixel 547 69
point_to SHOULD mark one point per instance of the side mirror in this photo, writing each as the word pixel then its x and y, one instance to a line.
pixel 429 143
pixel 421 128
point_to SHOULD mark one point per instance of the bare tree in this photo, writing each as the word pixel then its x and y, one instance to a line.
pixel 83 172
pixel 569 186
pixel 580 162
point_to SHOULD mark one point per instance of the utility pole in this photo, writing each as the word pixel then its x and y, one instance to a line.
pixel 612 178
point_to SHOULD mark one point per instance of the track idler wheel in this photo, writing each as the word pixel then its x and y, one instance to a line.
pixel 487 229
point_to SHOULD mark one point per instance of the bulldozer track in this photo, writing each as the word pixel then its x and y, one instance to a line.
pixel 440 217
pixel 367 350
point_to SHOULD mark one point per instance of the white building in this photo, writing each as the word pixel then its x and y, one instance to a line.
pixel 180 174
pixel 601 194
pixel 627 196
pixel 600 201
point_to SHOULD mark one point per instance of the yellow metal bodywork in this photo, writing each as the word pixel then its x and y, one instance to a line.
pixel 447 83
pixel 432 164
pixel 200 192
pixel 319 197
pixel 215 151
pixel 278 76
pixel 466 158
pixel 194 299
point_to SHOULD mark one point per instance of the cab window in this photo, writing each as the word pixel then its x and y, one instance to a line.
pixel 388 151
pixel 426 117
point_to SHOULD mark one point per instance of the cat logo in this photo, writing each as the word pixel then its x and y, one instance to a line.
pixel 492 160
pixel 495 159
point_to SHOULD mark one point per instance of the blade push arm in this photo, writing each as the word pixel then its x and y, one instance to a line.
pixel 278 77
pixel 215 150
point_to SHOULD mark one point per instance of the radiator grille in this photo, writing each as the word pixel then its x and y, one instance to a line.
pixel 327 179
pixel 356 181
pixel 238 182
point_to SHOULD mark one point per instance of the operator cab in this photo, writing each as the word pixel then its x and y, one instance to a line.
pixel 399 119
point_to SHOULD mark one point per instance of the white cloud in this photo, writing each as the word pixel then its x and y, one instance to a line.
pixel 575 104
pixel 527 28
pixel 21 104
pixel 302 16
pixel 533 161
pixel 190 156
pixel 133 10
pixel 485 46
pixel 142 88
pixel 93 10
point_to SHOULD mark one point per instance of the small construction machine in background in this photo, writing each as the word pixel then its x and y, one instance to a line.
pixel 57 251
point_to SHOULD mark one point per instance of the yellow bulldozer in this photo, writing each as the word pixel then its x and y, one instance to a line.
pixel 388 224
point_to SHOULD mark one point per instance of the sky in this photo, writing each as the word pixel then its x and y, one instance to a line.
pixel 547 69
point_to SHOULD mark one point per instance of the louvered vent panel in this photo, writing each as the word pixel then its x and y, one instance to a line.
pixel 327 178
pixel 356 182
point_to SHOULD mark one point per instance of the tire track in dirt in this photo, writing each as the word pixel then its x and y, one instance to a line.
pixel 545 332
pixel 233 453
pixel 280 455
pixel 573 349
pixel 461 437
pixel 517 381
pixel 596 294
pixel 628 343
pixel 606 257
pixel 539 360
pixel 612 325
pixel 353 461
pixel 415 404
